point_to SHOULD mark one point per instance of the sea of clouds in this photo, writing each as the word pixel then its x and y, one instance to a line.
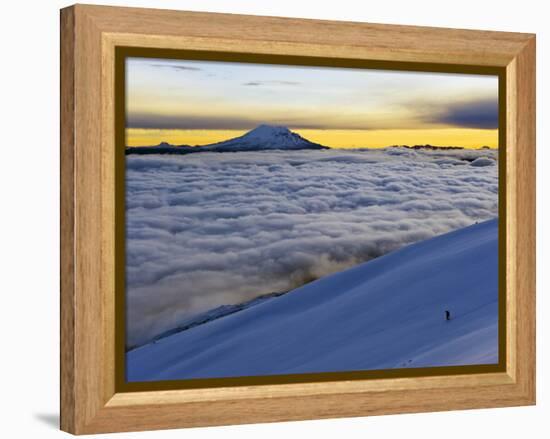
pixel 209 229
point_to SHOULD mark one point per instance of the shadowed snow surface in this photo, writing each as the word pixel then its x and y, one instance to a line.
pixel 385 313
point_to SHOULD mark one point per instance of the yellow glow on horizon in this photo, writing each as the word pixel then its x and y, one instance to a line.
pixel 465 137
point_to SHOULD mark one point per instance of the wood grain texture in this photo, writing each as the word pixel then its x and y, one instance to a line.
pixel 68 308
pixel 321 37
pixel 525 219
pixel 89 35
pixel 511 217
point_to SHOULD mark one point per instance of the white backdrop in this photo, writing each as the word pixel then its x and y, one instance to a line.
pixel 29 237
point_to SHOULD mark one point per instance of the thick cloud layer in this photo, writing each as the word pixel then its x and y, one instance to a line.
pixel 209 229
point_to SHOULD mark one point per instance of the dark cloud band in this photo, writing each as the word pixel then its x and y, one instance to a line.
pixel 180 68
pixel 193 122
pixel 154 121
pixel 481 114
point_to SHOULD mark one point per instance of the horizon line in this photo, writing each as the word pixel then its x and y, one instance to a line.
pixel 352 138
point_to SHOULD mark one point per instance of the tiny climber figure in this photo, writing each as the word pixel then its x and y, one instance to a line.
pixel 447 314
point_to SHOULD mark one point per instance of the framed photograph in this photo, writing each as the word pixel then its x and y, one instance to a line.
pixel 268 219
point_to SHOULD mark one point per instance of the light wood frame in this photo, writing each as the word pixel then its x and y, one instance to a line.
pixel 89 36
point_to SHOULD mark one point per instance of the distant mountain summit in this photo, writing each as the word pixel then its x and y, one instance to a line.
pixel 161 148
pixel 265 137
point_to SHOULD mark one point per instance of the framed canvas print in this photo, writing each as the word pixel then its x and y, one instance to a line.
pixel 269 219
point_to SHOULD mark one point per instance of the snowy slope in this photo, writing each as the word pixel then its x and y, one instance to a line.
pixel 264 137
pixel 385 313
pixel 213 314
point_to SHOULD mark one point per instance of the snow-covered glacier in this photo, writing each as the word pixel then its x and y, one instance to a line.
pixel 385 313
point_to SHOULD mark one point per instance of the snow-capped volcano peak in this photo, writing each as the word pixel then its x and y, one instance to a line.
pixel 265 130
pixel 273 133
pixel 265 137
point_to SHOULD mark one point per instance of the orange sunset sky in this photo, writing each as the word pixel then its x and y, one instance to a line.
pixel 202 102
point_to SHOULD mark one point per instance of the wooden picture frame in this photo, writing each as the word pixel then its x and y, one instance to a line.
pixel 91 402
